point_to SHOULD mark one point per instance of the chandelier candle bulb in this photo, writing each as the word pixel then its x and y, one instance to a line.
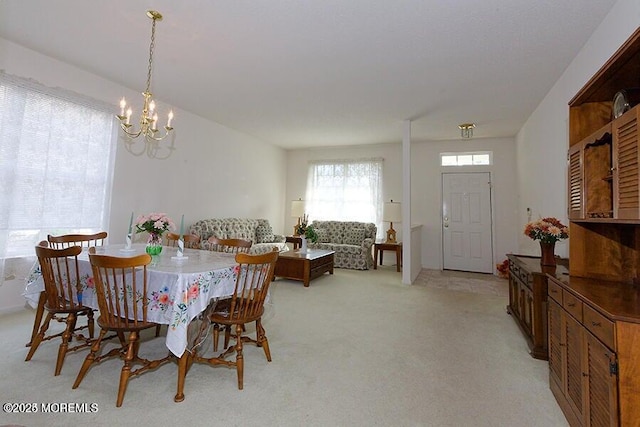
pixel 129 112
pixel 170 118
pixel 123 104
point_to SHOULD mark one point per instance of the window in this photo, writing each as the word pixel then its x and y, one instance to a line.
pixel 56 163
pixel 466 159
pixel 345 190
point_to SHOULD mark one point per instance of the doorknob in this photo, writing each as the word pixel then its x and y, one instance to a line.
pixel 446 221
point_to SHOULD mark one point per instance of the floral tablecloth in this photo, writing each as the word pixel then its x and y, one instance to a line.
pixel 178 289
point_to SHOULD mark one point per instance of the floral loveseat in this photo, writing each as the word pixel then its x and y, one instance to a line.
pixel 352 242
pixel 257 230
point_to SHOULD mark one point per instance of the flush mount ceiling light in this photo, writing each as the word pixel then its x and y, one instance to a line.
pixel 149 117
pixel 466 130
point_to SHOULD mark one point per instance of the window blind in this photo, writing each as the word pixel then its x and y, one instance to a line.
pixel 57 154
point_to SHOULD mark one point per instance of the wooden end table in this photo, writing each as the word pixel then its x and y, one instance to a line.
pixel 296 240
pixel 380 247
pixel 304 266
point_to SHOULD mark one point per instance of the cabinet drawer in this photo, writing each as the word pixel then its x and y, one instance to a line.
pixel 555 291
pixel 599 326
pixel 524 276
pixel 572 304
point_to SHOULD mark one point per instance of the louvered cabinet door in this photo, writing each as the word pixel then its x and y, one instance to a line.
pixel 625 174
pixel 602 403
pixel 575 381
pixel 527 314
pixel 514 295
pixel 557 356
pixel 576 184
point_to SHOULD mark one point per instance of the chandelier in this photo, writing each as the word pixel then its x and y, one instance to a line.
pixel 148 127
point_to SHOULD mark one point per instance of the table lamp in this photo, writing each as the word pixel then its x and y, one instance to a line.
pixel 297 211
pixel 392 212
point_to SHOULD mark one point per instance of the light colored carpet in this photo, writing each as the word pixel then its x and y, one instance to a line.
pixel 354 349
pixel 460 281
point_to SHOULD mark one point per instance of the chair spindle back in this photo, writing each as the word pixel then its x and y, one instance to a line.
pixel 255 274
pixel 83 240
pixel 61 276
pixel 190 240
pixel 121 288
pixel 233 246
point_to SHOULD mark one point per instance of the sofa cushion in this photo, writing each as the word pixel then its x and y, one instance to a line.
pixel 240 228
pixel 354 236
pixel 264 234
pixel 323 235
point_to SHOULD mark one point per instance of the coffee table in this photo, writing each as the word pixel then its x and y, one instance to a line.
pixel 304 266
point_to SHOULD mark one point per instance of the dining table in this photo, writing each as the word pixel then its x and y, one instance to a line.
pixel 179 290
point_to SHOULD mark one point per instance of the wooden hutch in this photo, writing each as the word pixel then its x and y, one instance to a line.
pixel 594 313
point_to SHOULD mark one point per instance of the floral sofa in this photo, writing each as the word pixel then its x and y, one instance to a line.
pixel 351 241
pixel 257 230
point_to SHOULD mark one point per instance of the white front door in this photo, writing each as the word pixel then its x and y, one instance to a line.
pixel 466 222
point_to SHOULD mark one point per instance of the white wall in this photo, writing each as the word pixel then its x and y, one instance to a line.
pixel 214 171
pixel 426 185
pixel 543 141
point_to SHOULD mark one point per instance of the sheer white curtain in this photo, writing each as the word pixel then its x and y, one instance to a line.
pixel 345 190
pixel 57 152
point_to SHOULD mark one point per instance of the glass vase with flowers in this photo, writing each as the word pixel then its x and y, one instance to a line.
pixel 155 224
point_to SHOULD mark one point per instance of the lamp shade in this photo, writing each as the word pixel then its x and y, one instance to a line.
pixel 297 208
pixel 392 212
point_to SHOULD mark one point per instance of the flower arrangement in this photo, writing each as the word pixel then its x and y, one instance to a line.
pixel 306 230
pixel 154 223
pixel 503 269
pixel 547 230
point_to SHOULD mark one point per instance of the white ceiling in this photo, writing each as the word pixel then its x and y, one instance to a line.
pixel 304 73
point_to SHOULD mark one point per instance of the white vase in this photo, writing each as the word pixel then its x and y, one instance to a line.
pixel 303 245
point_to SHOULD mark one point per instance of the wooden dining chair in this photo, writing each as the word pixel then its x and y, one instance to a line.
pixel 233 246
pixel 84 240
pixel 116 280
pixel 246 305
pixel 62 296
pixel 190 240
pixel 61 242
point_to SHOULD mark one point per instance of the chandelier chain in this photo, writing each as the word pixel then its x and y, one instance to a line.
pixel 151 46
